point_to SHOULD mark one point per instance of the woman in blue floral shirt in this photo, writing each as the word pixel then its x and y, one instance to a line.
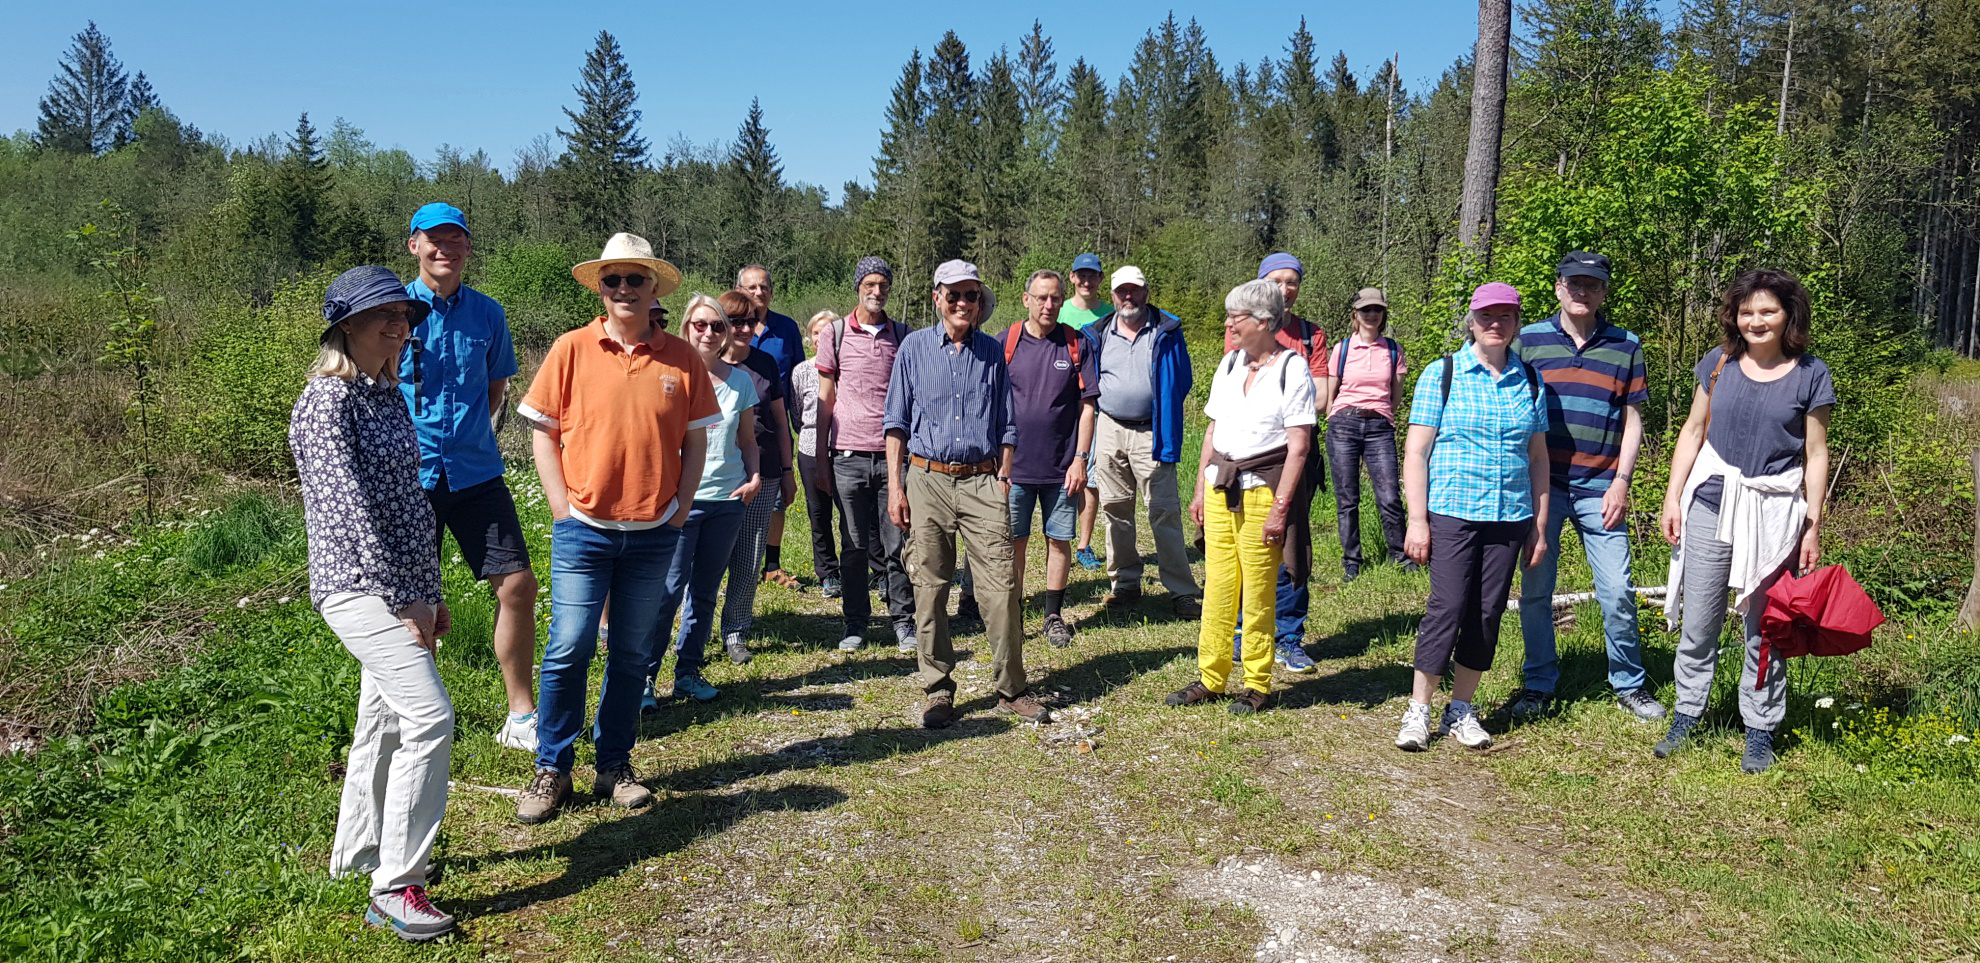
pixel 374 575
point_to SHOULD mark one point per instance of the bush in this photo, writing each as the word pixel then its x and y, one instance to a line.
pixel 245 377
pixel 533 284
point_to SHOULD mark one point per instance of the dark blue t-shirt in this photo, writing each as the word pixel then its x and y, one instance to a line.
pixel 763 372
pixel 1759 427
pixel 1045 403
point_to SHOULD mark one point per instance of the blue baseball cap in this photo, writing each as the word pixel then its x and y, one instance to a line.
pixel 1087 262
pixel 436 214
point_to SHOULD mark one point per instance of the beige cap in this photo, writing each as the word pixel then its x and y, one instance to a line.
pixel 1128 275
pixel 1370 297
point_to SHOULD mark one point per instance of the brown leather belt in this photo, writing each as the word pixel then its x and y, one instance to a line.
pixel 959 469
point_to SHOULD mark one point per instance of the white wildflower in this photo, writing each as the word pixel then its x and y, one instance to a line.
pixel 243 603
pixel 95 531
pixel 1862 768
pixel 1826 702
pixel 1956 738
pixel 284 600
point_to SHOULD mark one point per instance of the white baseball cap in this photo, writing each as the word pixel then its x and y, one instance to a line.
pixel 1128 274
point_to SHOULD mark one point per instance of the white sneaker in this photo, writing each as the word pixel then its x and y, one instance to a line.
pixel 518 733
pixel 1415 733
pixel 1465 728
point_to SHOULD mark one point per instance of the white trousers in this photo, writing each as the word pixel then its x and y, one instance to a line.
pixel 395 784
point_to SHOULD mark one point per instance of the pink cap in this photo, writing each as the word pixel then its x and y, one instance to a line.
pixel 1494 292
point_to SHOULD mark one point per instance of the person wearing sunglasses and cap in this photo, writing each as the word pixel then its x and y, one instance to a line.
pixel 621 410
pixel 1475 478
pixel 951 434
pixel 464 363
pixel 374 576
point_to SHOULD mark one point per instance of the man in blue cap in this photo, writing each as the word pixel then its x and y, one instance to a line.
pixel 1089 303
pixel 454 380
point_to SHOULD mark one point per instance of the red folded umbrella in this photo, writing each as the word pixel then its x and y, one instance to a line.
pixel 1822 613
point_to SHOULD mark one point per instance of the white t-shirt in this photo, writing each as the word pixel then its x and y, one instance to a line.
pixel 1249 423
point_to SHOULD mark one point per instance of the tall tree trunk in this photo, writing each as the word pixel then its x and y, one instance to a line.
pixel 1787 70
pixel 1488 116
pixel 1388 160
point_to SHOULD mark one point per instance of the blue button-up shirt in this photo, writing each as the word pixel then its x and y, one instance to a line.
pixel 465 345
pixel 1479 469
pixel 953 405
pixel 784 343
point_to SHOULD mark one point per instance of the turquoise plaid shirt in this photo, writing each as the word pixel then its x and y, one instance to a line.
pixel 1478 469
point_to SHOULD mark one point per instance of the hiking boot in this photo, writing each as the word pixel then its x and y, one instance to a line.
pixel 694 687
pixel 1349 575
pixel 1529 704
pixel 830 588
pixel 1187 607
pixel 1641 704
pixel 1027 708
pixel 620 786
pixel 409 915
pixel 1681 726
pixel 547 791
pixel 780 577
pixel 904 640
pixel 738 652
pixel 648 702
pixel 938 711
pixel 1292 657
pixel 1252 701
pixel 1414 736
pixel 1409 565
pixel 1464 727
pixel 1122 597
pixel 1193 694
pixel 1087 559
pixel 968 612
pixel 518 733
pixel 1057 631
pixel 1759 752
pixel 851 643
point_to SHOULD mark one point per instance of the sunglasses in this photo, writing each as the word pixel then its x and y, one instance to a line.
pixel 971 296
pixel 634 281
pixel 718 326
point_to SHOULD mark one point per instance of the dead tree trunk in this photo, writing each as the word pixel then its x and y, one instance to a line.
pixel 1488 115
pixel 1969 611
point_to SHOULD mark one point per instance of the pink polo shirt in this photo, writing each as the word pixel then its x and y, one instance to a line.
pixel 1366 378
pixel 863 363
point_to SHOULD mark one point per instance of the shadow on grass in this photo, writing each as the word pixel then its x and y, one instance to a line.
pixel 1366 688
pixel 608 848
pixel 1095 678
pixel 864 746
pixel 1358 637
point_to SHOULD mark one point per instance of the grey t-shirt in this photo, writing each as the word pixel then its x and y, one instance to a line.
pixel 1127 391
pixel 1760 427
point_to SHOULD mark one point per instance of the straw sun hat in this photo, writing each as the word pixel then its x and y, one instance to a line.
pixel 629 249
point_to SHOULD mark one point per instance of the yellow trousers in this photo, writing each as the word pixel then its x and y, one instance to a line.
pixel 1239 569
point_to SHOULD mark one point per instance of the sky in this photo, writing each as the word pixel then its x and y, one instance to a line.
pixel 495 76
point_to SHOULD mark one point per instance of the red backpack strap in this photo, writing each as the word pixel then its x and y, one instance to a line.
pixel 1073 338
pixel 1011 341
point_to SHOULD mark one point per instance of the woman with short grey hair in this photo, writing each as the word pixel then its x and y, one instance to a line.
pixel 1254 452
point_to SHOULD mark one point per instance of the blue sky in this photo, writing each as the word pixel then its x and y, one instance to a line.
pixel 494 76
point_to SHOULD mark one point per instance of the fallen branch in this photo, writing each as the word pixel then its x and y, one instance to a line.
pixel 1573 599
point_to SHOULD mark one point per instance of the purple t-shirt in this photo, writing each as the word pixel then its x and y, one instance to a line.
pixel 1045 403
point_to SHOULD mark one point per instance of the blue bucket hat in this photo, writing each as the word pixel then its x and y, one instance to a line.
pixel 436 214
pixel 365 287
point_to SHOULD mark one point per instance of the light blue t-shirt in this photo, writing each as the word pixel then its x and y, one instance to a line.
pixel 723 470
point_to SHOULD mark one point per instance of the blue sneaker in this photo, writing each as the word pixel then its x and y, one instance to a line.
pixel 1292 657
pixel 647 701
pixel 1087 560
pixel 694 687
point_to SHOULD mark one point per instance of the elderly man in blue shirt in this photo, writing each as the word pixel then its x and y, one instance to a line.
pixel 454 379
pixel 949 428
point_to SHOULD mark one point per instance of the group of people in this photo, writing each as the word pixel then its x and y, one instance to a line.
pixel 667 460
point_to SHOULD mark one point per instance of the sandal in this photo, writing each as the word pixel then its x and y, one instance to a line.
pixel 783 578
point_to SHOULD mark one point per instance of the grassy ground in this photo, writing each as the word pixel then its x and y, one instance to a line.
pixel 801 817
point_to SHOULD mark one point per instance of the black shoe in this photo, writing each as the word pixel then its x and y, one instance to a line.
pixel 968 612
pixel 1759 753
pixel 1057 631
pixel 1350 575
pixel 1681 726
pixel 1528 704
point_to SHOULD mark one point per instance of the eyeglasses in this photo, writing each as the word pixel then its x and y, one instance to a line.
pixel 972 296
pixel 1373 310
pixel 717 325
pixel 634 281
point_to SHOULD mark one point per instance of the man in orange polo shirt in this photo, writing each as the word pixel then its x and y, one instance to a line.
pixel 620 409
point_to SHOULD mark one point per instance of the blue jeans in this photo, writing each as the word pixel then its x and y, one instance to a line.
pixel 1608 558
pixel 696 573
pixel 587 567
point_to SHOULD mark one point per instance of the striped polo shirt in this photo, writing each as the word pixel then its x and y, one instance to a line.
pixel 1587 391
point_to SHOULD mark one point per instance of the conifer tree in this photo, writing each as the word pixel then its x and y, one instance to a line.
pixel 87 110
pixel 755 180
pixel 603 150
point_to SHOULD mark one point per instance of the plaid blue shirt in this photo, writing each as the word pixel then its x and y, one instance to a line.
pixel 1479 469
pixel 953 405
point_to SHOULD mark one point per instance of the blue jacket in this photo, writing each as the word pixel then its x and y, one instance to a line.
pixel 1173 378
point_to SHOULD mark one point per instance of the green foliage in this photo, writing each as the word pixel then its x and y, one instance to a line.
pixel 246 376
pixel 603 149
pixel 1930 745
pixel 242 534
pixel 113 252
pixel 533 283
